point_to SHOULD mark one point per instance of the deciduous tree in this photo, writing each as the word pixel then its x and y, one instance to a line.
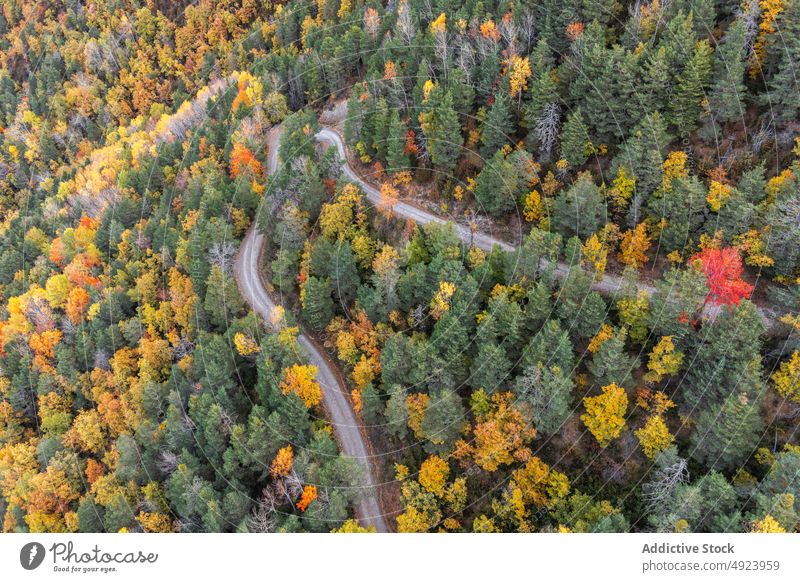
pixel 605 414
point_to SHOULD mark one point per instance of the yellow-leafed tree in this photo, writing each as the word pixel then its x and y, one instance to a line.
pixel 605 414
pixel 299 380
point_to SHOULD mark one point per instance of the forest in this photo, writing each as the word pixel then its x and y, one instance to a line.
pixel 623 355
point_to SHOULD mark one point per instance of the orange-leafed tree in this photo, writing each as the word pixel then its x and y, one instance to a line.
pixel 723 271
pixel 389 196
pixel 244 162
pixel 44 346
pixel 309 495
pixel 77 301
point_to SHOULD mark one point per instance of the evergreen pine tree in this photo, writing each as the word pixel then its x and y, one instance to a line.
pixel 727 89
pixel 727 434
pixel 655 82
pixel 548 392
pixel 396 158
pixel 490 368
pixel 575 140
pixel 439 122
pixel 726 357
pixel 691 88
pixel 379 128
pixel 611 365
pixel 496 126
pixel 783 97
pixel 396 412
pixel 344 274
pixel 496 186
pixel 317 303
pixel 580 209
pixel 443 420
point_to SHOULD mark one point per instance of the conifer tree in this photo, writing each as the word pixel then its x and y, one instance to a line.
pixel 783 96
pixel 496 127
pixel 439 122
pixel 317 303
pixel 396 158
pixel 727 434
pixel 379 128
pixel 611 365
pixel 580 209
pixel 691 88
pixel 497 185
pixel 548 391
pixel 575 140
pixel 730 63
pixel 444 417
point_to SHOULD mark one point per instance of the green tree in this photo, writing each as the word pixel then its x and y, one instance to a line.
pixel 297 140
pixel 708 505
pixel 575 140
pixel 222 302
pixel 692 84
pixel 548 392
pixel 442 130
pixel 727 434
pixel 497 185
pixel 678 299
pixel 396 158
pixel 444 417
pixel 490 368
pixel 681 208
pixel 496 127
pixel 784 51
pixel 578 306
pixel 580 209
pixel 379 128
pixel 550 347
pixel 396 412
pixel 611 365
pixel 317 303
pixel 727 91
pixel 726 357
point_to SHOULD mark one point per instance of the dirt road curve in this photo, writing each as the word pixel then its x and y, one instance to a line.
pixel 334 398
pixel 608 285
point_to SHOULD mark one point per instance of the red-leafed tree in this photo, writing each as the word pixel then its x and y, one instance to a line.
pixel 723 270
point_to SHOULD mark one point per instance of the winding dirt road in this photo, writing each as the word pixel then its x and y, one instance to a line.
pixel 334 396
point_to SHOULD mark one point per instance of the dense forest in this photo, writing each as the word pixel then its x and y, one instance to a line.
pixel 650 143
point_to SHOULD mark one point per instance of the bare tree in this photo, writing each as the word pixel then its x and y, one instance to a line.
pixel 546 129
pixel 101 360
pixel 167 462
pixel 664 481
pixel 405 23
pixel 38 311
pixel 509 31
pixel 466 58
pixel 221 255
pixel 262 518
pixel 751 16
pixel 527 26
